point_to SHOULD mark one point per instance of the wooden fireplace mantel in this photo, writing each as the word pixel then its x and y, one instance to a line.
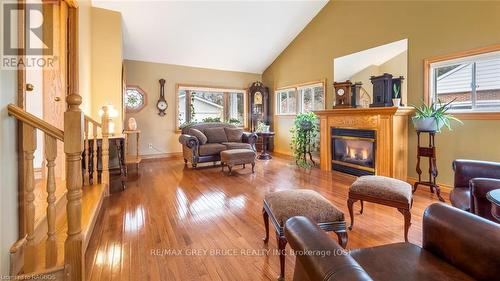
pixel 391 126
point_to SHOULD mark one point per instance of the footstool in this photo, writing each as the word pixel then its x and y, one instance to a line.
pixel 283 205
pixel 239 156
pixel 385 191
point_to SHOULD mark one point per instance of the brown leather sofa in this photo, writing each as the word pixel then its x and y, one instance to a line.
pixel 473 179
pixel 456 245
pixel 203 142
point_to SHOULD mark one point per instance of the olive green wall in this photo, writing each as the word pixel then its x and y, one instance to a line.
pixel 432 28
pixel 158 131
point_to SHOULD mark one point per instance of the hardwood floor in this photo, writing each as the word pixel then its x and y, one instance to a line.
pixel 175 223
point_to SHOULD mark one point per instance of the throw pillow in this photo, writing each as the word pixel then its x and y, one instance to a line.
pixel 234 134
pixel 216 135
pixel 199 135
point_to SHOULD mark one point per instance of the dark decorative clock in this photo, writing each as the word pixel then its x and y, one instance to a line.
pixel 162 104
pixel 259 105
pixel 343 94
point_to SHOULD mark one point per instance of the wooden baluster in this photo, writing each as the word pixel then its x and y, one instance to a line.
pixel 95 174
pixel 105 149
pixel 73 147
pixel 51 245
pixel 86 170
pixel 29 147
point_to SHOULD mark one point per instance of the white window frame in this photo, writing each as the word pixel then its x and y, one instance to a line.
pixel 278 101
pixel 299 107
pixel 462 60
pixel 310 86
pixel 224 91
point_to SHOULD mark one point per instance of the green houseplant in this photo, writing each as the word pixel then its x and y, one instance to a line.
pixel 396 100
pixel 433 117
pixel 304 138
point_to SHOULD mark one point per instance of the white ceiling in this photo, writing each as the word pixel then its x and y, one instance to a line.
pixel 346 66
pixel 228 35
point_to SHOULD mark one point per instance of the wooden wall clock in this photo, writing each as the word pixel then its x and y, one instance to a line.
pixel 343 94
pixel 162 104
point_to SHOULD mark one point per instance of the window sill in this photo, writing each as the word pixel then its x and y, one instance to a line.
pixel 477 115
pixel 291 115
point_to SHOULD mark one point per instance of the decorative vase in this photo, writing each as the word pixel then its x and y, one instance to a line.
pixel 396 102
pixel 132 124
pixel 428 124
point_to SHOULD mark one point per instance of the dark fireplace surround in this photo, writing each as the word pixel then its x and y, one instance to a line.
pixel 353 151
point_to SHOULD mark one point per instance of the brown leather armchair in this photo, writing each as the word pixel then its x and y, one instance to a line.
pixel 473 179
pixel 456 245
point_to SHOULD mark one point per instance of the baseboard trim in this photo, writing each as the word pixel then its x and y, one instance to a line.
pixel 282 152
pixel 444 187
pixel 170 155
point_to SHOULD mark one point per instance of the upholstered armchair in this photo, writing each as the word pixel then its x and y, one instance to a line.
pixel 203 142
pixel 473 179
pixel 456 245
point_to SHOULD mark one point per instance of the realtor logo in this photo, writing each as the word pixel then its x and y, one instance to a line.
pixel 38 24
pixel 36 49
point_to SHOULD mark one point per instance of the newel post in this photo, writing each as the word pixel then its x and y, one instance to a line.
pixel 105 148
pixel 73 147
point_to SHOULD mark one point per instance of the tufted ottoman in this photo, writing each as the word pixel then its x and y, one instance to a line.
pixel 282 205
pixel 385 191
pixel 239 156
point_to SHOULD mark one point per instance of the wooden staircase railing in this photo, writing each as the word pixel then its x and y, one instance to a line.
pixel 76 143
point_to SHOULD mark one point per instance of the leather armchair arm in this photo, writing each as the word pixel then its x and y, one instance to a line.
pixel 319 257
pixel 467 241
pixel 480 186
pixel 250 138
pixel 465 170
pixel 189 141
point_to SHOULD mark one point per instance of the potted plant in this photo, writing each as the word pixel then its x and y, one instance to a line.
pixel 432 118
pixel 304 131
pixel 396 101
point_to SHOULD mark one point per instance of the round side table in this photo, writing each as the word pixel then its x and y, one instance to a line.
pixel 264 155
pixel 494 197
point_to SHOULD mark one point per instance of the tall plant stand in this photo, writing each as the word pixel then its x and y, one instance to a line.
pixel 430 153
pixel 307 148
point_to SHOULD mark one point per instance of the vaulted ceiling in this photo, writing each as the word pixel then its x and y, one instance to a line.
pixel 228 35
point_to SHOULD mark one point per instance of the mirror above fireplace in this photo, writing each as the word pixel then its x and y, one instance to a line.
pixel 358 67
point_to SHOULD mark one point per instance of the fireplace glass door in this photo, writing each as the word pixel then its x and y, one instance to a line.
pixel 353 151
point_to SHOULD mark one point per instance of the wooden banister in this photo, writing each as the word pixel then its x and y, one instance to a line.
pixel 35 122
pixel 51 243
pixel 105 148
pixel 76 137
pixel 90 120
pixel 29 147
pixel 73 148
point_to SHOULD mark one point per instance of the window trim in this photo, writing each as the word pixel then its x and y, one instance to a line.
pixel 195 87
pixel 466 115
pixel 296 88
pixel 144 94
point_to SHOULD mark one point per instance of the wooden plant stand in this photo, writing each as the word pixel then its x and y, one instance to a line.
pixel 429 152
pixel 131 158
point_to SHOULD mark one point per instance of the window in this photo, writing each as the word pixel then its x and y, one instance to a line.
pixel 471 82
pixel 312 97
pixel 134 98
pixel 203 104
pixel 301 98
pixel 287 101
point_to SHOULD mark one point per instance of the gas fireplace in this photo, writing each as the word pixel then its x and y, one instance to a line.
pixel 353 151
